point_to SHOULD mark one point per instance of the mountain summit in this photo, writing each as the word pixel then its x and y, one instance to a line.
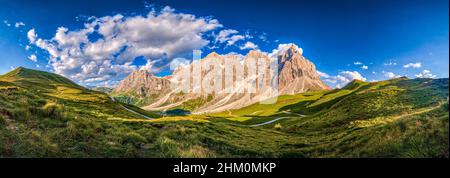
pixel 297 74
pixel 142 85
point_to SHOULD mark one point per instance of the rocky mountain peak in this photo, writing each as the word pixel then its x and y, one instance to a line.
pixel 213 55
pixel 255 53
pixel 141 83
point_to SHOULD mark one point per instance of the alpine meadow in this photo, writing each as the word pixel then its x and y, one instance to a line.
pixel 224 79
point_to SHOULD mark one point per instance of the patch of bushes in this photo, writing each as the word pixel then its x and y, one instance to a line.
pixel 53 110
pixel 167 147
pixel 134 138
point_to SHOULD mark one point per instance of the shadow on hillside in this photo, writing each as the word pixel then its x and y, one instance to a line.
pixel 304 107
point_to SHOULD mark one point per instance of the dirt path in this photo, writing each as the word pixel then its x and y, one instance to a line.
pixel 287 112
pixel 277 119
pixel 269 122
pixel 418 112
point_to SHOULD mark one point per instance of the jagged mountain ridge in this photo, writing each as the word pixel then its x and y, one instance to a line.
pixel 296 74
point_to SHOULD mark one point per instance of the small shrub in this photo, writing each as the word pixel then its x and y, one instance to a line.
pixel 2 121
pixel 53 110
pixel 134 138
pixel 197 152
pixel 167 147
pixel 277 126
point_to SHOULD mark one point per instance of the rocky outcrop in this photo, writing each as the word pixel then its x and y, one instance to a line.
pixel 143 87
pixel 297 74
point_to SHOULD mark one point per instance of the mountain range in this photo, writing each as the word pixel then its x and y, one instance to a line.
pixel 46 115
pixel 295 74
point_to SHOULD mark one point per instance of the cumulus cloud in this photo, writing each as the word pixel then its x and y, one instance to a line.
pixel 224 35
pixel 352 75
pixel 158 36
pixel 413 65
pixel 179 62
pixel 390 75
pixel 364 67
pixel 32 58
pixel 231 37
pixel 322 74
pixel 19 24
pixel 32 35
pixel 342 79
pixel 425 74
pixel 249 45
pixel 148 66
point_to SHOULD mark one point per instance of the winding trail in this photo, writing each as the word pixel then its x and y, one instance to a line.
pixel 269 122
pixel 129 110
pixel 277 119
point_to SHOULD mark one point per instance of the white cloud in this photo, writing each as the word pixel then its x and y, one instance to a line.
pixel 32 35
pixel 364 67
pixel 32 58
pixel 19 24
pixel 233 39
pixel 27 47
pixel 390 75
pixel 425 74
pixel 322 74
pixel 283 47
pixel 357 63
pixel 178 62
pixel 390 63
pixel 148 66
pixel 224 35
pixel 159 36
pixel 343 78
pixel 249 45
pixel 351 75
pixel 231 36
pixel 413 65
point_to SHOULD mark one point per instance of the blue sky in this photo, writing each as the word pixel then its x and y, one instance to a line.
pixel 346 39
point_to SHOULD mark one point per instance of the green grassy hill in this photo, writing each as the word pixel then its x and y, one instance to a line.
pixel 47 115
pixel 393 118
pixel 44 114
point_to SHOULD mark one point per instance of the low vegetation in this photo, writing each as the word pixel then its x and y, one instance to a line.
pixel 46 115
